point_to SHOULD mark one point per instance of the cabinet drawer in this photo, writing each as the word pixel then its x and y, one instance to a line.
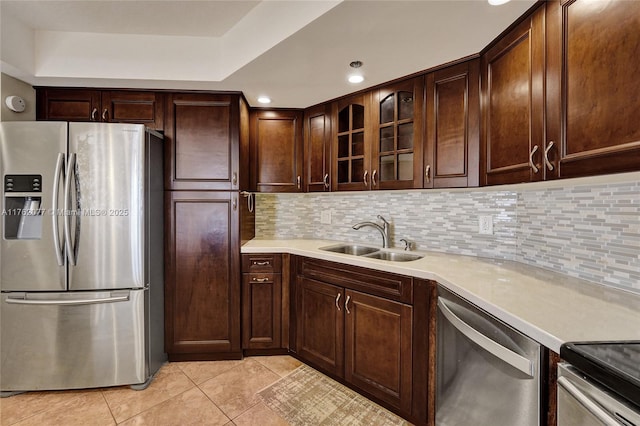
pixel 261 263
pixel 378 283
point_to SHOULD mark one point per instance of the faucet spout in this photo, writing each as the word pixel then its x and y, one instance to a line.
pixel 384 229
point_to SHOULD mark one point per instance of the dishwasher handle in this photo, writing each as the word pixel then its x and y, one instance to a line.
pixel 507 355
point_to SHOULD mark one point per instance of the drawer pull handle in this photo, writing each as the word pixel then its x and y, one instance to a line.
pixel 263 263
pixel 337 300
pixel 326 180
pixel 94 113
pixel 260 280
pixel 427 173
pixel 346 304
pixel 105 115
pixel 373 178
pixel 365 178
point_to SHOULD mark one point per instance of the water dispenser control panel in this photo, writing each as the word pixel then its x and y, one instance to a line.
pixel 22 183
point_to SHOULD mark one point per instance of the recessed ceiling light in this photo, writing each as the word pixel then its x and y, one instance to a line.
pixel 497 2
pixel 264 99
pixel 357 76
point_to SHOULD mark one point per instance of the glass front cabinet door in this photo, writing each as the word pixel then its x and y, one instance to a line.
pixel 397 153
pixel 352 139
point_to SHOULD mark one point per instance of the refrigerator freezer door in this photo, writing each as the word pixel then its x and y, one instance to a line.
pixel 107 193
pixel 72 340
pixel 31 165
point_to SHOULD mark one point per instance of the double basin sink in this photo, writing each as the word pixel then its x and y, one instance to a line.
pixel 371 252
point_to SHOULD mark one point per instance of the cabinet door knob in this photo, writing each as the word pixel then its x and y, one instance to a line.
pixel 531 163
pixel 337 300
pixel 546 156
pixel 234 178
pixel 373 178
pixel 94 113
pixel 326 180
pixel 365 178
pixel 346 304
pixel 427 173
pixel 234 203
pixel 105 115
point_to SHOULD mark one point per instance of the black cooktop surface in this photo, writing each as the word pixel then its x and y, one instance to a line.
pixel 616 365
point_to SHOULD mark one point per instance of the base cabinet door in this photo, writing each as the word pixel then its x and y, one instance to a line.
pixel 202 287
pixel 378 335
pixel 320 324
pixel 261 310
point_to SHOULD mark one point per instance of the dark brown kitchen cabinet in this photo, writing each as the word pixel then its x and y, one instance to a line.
pixel 276 150
pixel 202 141
pixel 352 143
pixel 593 89
pixel 357 325
pixel 513 73
pixel 317 148
pixel 378 335
pixel 202 283
pixel 261 301
pixel 320 325
pixel 451 151
pixel 111 106
pixel 398 111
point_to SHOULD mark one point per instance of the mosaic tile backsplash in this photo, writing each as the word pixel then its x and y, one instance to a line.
pixel 590 231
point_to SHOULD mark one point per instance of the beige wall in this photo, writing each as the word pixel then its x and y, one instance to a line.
pixel 10 86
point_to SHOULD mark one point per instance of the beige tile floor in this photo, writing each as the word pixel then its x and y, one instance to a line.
pixel 183 393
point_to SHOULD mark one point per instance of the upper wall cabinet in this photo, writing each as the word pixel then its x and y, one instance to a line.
pixel 513 105
pixel 593 88
pixel 452 127
pixel 317 148
pixel 109 106
pixel 276 150
pixel 202 141
pixel 397 137
pixel 351 143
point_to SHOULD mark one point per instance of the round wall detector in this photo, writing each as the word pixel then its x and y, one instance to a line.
pixel 15 103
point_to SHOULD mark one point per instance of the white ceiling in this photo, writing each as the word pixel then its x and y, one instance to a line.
pixel 297 52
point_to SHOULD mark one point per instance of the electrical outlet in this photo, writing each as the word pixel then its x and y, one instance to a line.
pixel 485 225
pixel 325 217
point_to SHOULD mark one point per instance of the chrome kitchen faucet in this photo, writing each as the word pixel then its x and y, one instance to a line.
pixel 384 229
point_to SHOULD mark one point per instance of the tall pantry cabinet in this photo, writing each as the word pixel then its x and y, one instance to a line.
pixel 205 218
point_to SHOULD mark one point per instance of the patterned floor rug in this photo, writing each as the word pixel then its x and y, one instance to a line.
pixel 307 397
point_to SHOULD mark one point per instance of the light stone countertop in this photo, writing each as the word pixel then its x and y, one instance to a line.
pixel 549 307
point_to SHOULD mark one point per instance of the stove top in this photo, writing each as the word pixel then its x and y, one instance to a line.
pixel 615 365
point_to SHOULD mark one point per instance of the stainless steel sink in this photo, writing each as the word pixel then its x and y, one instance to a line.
pixel 393 256
pixel 371 252
pixel 353 249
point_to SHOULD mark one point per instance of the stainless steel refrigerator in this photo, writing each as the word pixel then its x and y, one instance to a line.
pixel 81 256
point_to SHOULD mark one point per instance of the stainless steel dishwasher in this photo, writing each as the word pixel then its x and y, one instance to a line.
pixel 487 372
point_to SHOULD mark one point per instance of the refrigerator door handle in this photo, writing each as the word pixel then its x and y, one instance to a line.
pixel 54 206
pixel 67 209
pixel 65 302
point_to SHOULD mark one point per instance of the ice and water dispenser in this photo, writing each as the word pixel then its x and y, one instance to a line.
pixel 22 213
